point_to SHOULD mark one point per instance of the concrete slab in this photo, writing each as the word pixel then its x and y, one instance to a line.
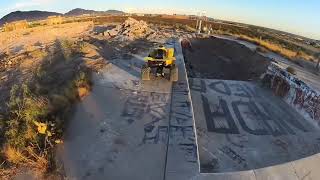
pixel 307 168
pixel 120 131
pixel 242 175
pixel 278 172
pixel 241 126
pixel 118 135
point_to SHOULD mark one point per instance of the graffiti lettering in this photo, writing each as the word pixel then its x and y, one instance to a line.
pixel 220 119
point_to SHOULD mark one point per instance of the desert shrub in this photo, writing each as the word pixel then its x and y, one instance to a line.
pixel 24 145
pixel 39 108
pixel 24 110
pixel 291 70
pixel 79 87
pixel 40 72
pixel 37 53
pixel 35 24
pixel 67 48
pixel 70 48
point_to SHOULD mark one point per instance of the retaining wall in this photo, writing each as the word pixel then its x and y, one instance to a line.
pixel 304 99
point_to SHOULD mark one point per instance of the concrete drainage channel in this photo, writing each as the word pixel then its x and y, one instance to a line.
pixel 127 129
pixel 245 132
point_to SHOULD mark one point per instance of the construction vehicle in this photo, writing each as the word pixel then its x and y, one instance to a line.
pixel 163 61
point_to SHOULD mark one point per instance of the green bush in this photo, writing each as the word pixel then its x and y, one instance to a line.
pixel 24 110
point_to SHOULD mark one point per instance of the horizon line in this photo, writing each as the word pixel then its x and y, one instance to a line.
pixel 183 14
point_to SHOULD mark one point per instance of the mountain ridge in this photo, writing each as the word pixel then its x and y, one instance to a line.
pixel 40 15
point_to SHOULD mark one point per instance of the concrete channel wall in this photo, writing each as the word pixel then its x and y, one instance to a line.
pixel 182 154
pixel 296 93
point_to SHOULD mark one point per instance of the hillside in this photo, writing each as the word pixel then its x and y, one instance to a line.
pixel 79 11
pixel 38 15
pixel 27 15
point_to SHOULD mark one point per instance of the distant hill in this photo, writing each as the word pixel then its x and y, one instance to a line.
pixel 39 15
pixel 26 15
pixel 79 11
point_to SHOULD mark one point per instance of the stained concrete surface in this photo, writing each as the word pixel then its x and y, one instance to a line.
pixel 120 130
pixel 128 129
pixel 241 126
pixel 136 130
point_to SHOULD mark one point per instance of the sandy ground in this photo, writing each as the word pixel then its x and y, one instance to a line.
pixel 20 40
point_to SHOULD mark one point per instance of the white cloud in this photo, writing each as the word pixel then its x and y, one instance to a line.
pixel 27 4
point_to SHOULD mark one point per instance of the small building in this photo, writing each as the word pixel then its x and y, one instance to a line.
pixel 15 25
pixel 52 20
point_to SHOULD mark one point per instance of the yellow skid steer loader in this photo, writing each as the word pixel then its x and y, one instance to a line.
pixel 160 58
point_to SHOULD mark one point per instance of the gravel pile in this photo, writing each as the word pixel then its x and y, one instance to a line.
pixel 130 30
pixel 133 29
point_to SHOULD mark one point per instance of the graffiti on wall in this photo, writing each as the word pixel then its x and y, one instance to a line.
pixel 294 91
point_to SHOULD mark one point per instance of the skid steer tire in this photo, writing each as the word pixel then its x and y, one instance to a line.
pixel 145 73
pixel 174 74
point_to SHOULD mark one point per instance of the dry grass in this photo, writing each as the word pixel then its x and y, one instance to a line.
pixel 276 48
pixel 83 92
pixel 27 158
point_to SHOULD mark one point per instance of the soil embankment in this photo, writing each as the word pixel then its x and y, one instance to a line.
pixel 215 58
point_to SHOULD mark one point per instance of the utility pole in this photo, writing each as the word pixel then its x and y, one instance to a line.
pixel 199 29
pixel 200 18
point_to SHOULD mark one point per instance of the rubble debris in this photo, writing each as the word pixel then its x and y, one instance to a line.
pixel 130 30
pixel 133 29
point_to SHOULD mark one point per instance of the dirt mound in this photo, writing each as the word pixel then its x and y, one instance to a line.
pixel 215 58
pixel 131 29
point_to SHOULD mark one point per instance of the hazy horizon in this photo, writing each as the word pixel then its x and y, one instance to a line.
pixel 292 16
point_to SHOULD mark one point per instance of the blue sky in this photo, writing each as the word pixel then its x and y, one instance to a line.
pixel 296 16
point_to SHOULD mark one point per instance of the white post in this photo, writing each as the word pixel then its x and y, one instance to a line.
pixel 200 23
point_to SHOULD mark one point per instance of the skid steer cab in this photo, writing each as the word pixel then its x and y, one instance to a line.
pixel 161 62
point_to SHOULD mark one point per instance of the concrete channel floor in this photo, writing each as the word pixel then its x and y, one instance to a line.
pixel 241 126
pixel 127 129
